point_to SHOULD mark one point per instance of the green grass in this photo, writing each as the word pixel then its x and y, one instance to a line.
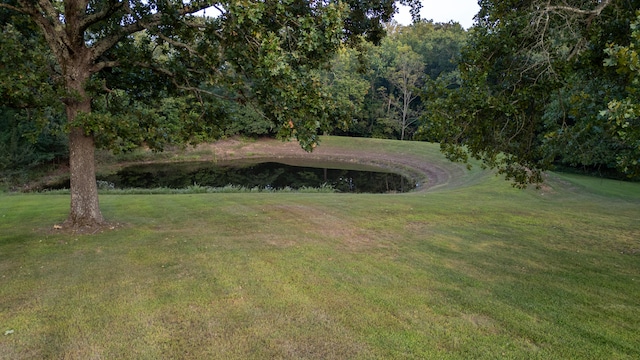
pixel 473 270
pixel 609 188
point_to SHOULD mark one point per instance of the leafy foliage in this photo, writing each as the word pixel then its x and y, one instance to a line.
pixel 31 120
pixel 532 87
pixel 24 145
pixel 624 112
pixel 423 51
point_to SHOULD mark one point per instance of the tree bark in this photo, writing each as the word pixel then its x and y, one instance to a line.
pixel 85 207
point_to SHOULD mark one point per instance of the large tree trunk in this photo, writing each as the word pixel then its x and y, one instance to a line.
pixel 85 208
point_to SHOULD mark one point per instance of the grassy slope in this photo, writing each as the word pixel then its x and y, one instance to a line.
pixel 477 270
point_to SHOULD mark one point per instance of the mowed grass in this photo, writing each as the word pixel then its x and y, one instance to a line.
pixel 478 270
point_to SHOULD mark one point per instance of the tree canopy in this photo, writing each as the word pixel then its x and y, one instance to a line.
pixel 533 89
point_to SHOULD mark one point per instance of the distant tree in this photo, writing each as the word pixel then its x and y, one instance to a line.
pixel 376 114
pixel 406 61
pixel 439 45
pixel 113 59
pixel 347 88
pixel 406 76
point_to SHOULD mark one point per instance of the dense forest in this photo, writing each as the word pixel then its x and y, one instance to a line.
pixel 530 87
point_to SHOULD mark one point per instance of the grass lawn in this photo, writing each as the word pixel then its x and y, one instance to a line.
pixel 472 270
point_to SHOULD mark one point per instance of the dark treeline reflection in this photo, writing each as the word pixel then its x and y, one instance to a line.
pixel 268 175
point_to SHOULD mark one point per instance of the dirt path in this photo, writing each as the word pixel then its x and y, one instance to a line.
pixel 427 175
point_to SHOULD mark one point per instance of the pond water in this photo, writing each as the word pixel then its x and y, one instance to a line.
pixel 270 174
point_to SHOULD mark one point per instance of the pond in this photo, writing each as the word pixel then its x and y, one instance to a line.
pixel 261 173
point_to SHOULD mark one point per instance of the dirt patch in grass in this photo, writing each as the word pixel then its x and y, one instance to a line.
pixel 82 230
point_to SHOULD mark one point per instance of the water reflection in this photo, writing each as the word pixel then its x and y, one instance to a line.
pixel 267 175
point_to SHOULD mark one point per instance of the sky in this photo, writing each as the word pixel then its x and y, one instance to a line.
pixel 461 11
pixel 441 11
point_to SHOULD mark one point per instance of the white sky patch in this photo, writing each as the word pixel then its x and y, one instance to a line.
pixel 210 12
pixel 442 11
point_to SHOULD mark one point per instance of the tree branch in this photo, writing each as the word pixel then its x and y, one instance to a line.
pixel 46 6
pixel 103 65
pixel 148 23
pixel 570 20
pixel 48 19
pixel 566 8
pixel 175 82
pixel 178 44
pixel 110 9
pixel 14 8
pixel 110 41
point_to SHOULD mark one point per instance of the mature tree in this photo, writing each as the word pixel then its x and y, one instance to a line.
pixel 532 82
pixel 406 76
pixel 112 58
